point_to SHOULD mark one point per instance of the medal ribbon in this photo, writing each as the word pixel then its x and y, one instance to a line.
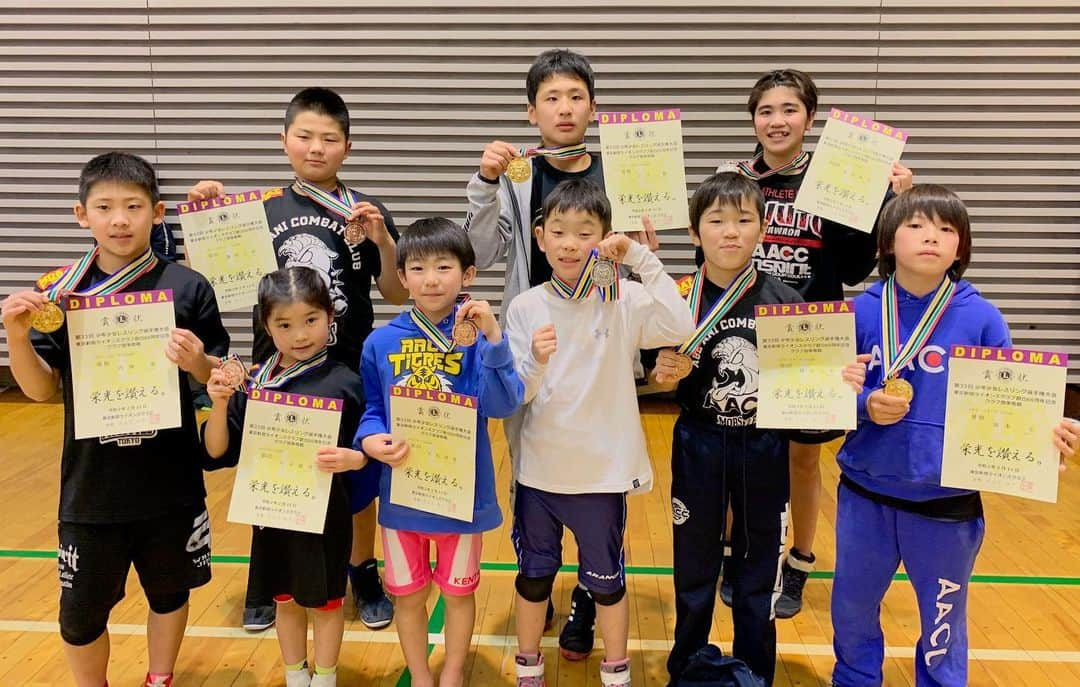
pixel 115 282
pixel 266 379
pixel 584 286
pixel 563 153
pixel 894 357
pixel 431 330
pixel 748 167
pixel 340 204
pixel 734 291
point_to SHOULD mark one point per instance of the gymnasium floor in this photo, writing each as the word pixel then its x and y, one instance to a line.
pixel 1024 604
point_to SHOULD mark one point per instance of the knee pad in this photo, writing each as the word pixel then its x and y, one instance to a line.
pixel 167 603
pixel 80 628
pixel 609 599
pixel 534 589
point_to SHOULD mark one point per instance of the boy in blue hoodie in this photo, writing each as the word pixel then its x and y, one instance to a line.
pixel 891 507
pixel 435 261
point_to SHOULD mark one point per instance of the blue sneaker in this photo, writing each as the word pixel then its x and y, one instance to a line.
pixel 373 607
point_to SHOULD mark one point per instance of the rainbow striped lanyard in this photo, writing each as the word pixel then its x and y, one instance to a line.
pixel 266 379
pixel 340 204
pixel 431 330
pixel 738 287
pixel 895 357
pixel 562 153
pixel 748 167
pixel 114 283
pixel 584 286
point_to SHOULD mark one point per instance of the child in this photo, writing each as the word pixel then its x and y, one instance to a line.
pixel 719 458
pixel 133 499
pixel 812 255
pixel 435 262
pixel 309 230
pixel 890 506
pixel 581 444
pixel 300 571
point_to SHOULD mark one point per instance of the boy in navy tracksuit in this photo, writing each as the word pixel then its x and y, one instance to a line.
pixel 890 506
pixel 719 456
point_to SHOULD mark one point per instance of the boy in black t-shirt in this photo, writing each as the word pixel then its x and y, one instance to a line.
pixel 128 499
pixel 350 239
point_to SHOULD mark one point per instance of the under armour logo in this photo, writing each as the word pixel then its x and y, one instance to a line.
pixel 601 333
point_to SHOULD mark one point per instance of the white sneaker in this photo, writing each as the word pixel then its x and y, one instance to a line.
pixel 327 680
pixel 298 678
pixel 530 670
pixel 615 673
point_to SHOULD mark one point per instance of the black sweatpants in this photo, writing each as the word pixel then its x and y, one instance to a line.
pixel 711 468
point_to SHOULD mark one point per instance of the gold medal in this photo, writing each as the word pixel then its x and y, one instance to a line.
pixel 236 373
pixel 604 273
pixel 683 365
pixel 900 388
pixel 519 170
pixel 354 232
pixel 465 333
pixel 48 319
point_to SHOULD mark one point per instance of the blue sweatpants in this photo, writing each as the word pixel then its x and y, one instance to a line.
pixel 871 541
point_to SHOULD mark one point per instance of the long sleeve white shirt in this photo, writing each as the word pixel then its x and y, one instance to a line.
pixel 580 428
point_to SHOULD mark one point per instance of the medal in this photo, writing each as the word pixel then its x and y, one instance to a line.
pixel 683 365
pixel 340 204
pixel 236 373
pixel 895 357
pixel 465 333
pixel 519 170
pixel 900 388
pixel 354 232
pixel 49 319
pixel 604 273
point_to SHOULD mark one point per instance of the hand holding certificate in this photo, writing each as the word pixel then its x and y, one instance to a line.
pixel 227 239
pixel 1000 413
pixel 439 475
pixel 849 172
pixel 643 168
pixel 278 483
pixel 803 350
pixel 122 382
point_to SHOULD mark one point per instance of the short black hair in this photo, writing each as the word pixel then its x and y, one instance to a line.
pixel 559 62
pixel 290 285
pixel 435 236
pixel 119 167
pixel 321 101
pixel 796 80
pixel 729 189
pixel 933 202
pixel 578 194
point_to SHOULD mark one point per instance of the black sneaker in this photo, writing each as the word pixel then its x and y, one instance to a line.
pixel 576 638
pixel 373 607
pixel 795 571
pixel 259 618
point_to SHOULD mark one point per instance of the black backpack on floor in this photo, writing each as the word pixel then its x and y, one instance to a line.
pixel 709 667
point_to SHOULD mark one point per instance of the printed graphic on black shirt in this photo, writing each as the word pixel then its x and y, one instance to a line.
pixel 791 238
pixel 732 394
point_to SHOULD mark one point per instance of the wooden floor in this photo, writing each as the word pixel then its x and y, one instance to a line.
pixel 1024 605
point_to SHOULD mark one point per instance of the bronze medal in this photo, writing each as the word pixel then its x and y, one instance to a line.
pixel 354 232
pixel 683 365
pixel 465 333
pixel 604 273
pixel 236 373
pixel 49 319
pixel 519 170
pixel 899 388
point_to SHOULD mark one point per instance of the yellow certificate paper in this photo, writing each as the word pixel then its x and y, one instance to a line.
pixel 439 476
pixel 849 172
pixel 1000 412
pixel 227 239
pixel 643 168
pixel 121 381
pixel 802 351
pixel 277 483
